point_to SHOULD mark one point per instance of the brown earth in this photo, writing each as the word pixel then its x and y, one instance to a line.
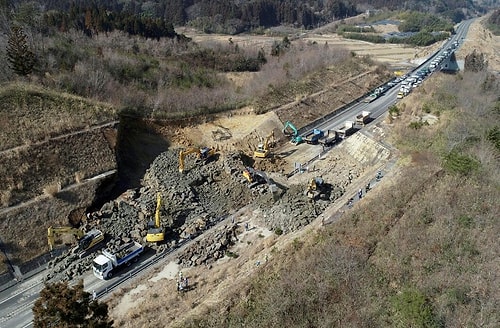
pixel 242 130
pixel 133 305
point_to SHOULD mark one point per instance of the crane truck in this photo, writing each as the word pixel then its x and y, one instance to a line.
pixel 86 241
pixel 202 153
pixel 155 231
pixel 262 150
pixel 106 264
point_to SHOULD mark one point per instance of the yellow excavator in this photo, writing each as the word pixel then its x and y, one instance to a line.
pixel 256 177
pixel 155 231
pixel 202 153
pixel 85 240
pixel 262 150
pixel 315 187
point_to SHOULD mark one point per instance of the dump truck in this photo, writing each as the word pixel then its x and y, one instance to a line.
pixel 346 130
pixel 363 117
pixel 105 264
pixel 313 136
pixel 329 138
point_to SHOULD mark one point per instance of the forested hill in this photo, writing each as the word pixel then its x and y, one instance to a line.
pixel 155 18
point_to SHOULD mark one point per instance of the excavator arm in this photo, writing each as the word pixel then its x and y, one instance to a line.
pixel 184 153
pixel 287 125
pixel 203 153
pixel 155 232
pixel 296 138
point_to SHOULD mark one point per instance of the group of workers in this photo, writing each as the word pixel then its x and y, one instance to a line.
pixel 360 191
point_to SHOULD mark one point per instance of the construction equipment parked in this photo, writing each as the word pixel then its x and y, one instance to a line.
pixel 155 230
pixel 202 153
pixel 263 148
pixel 346 130
pixel 295 136
pixel 86 241
pixel 105 265
pixel 315 188
pixel 363 118
pixel 313 136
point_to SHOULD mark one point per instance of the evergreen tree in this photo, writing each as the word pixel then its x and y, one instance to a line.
pixel 19 55
pixel 61 305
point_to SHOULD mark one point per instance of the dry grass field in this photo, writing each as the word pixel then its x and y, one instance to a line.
pixel 387 249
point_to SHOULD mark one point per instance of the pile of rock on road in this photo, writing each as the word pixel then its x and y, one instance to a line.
pixel 192 202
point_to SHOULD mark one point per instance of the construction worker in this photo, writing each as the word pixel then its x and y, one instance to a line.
pixel 360 193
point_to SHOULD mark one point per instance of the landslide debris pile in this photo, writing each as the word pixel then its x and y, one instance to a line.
pixel 192 202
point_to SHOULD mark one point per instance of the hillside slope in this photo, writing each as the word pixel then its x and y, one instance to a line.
pixel 419 251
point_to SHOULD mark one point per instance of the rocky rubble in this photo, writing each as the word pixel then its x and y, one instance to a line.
pixel 192 202
pixel 212 247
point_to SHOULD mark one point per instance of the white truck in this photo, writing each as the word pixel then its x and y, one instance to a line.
pixel 106 263
pixel 363 117
pixel 346 130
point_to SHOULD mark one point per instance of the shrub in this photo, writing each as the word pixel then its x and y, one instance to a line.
pixel 493 135
pixel 427 107
pixel 465 221
pixel 52 189
pixel 456 162
pixel 231 254
pixel 412 309
pixel 417 124
pixel 278 231
pixel 394 110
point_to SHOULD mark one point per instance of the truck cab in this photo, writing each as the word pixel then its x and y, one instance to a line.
pixel 102 266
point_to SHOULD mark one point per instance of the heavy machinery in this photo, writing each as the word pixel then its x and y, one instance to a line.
pixel 105 264
pixel 202 153
pixel 262 150
pixel 296 138
pixel 315 187
pixel 256 177
pixel 155 231
pixel 86 241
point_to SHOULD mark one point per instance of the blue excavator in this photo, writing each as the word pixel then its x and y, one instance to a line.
pixel 296 138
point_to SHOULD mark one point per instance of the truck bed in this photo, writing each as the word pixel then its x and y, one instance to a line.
pixel 329 138
pixel 128 252
pixel 313 136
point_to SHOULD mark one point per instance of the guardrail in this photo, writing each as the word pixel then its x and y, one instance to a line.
pixel 157 258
